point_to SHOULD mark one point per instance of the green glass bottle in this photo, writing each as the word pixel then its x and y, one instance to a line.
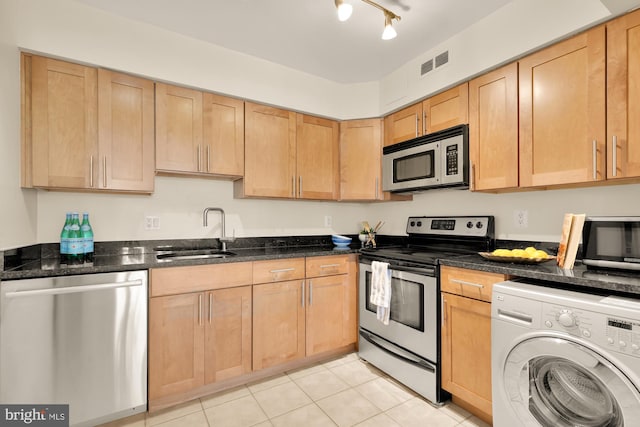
pixel 87 238
pixel 64 240
pixel 75 256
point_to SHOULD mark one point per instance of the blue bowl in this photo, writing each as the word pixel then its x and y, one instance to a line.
pixel 340 241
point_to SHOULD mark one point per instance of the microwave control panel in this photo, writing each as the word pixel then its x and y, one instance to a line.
pixel 452 159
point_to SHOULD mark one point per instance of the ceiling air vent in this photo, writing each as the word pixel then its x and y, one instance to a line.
pixel 442 59
pixel 426 67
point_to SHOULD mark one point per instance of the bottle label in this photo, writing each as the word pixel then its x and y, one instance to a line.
pixel 64 246
pixel 75 246
pixel 87 246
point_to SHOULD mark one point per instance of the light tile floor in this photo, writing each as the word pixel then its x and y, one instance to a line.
pixel 342 392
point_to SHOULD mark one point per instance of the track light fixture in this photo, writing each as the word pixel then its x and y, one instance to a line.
pixel 345 10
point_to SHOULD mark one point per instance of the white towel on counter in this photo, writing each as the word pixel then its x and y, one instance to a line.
pixel 381 290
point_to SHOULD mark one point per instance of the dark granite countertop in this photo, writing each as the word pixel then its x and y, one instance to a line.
pixel 548 273
pixel 43 260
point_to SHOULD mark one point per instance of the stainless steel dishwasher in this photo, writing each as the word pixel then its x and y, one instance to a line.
pixel 78 340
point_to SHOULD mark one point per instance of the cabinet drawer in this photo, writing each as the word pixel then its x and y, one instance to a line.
pixel 328 265
pixel 469 283
pixel 179 280
pixel 278 270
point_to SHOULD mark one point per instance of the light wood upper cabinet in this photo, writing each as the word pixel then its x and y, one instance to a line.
pixel 126 127
pixel 223 136
pixel 361 160
pixel 270 153
pixel 60 130
pixel 562 112
pixel 178 129
pixel 623 97
pixel 317 158
pixel 493 129
pixel 441 111
pixel 86 128
pixel 446 109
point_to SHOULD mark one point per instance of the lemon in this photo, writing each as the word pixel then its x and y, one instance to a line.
pixel 501 252
pixel 519 253
pixel 530 250
pixel 539 254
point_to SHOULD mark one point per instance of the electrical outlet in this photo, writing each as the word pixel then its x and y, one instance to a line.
pixel 521 218
pixel 328 221
pixel 152 223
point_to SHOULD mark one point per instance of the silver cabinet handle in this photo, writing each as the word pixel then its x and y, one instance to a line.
pixel 210 307
pixel 300 186
pixel 462 282
pixel 417 125
pixel 472 179
pixel 208 158
pixel 376 194
pixel 330 265
pixel 200 309
pixel 595 163
pixel 104 172
pixel 310 293
pixel 281 270
pixel 293 186
pixel 302 298
pixel 91 172
pixel 444 310
pixel 614 156
pixel 198 159
pixel 424 122
pixel 74 289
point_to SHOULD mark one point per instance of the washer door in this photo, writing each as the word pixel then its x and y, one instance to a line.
pixel 555 382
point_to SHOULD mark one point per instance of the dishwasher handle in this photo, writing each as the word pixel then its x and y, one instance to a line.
pixel 75 289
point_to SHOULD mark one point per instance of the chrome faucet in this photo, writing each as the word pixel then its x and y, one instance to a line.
pixel 223 238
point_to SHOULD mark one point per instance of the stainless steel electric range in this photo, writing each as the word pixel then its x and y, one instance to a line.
pixel 408 348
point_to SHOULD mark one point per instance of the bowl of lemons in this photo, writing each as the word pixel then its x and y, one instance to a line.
pixel 529 255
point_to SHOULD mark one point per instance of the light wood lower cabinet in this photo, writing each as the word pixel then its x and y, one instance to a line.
pixel 198 338
pixel 466 337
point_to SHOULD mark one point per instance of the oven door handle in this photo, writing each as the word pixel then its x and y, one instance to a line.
pixel 424 271
pixel 387 349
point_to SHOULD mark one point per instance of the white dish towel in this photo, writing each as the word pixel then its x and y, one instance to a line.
pixel 381 290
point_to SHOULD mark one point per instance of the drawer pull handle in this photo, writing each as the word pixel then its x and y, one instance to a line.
pixel 200 309
pixel 302 297
pixel 282 270
pixel 462 282
pixel 330 266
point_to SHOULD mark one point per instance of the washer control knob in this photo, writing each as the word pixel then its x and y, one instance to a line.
pixel 567 319
pixel 548 323
pixel 586 333
pixel 635 347
pixel 610 341
pixel 622 344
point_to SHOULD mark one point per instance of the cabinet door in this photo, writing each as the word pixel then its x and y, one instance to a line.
pixel 466 350
pixel 176 344
pixel 227 346
pixel 317 158
pixel 331 313
pixel 270 151
pixel 360 160
pixel 64 134
pixel 623 96
pixel 126 132
pixel 446 109
pixel 493 129
pixel 562 112
pixel 178 129
pixel 223 135
pixel 278 323
pixel 403 125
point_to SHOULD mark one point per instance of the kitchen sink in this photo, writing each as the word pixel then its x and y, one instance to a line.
pixel 186 254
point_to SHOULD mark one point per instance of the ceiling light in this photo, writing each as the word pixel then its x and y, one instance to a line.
pixel 344 10
pixel 389 32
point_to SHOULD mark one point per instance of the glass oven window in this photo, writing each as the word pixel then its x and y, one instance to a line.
pixel 407 302
pixel 414 166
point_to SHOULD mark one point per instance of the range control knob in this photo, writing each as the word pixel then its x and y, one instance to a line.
pixel 469 224
pixel 419 223
pixel 479 224
pixel 567 319
pixel 413 223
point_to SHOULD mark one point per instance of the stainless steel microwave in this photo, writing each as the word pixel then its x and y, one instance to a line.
pixel 440 159
pixel 611 242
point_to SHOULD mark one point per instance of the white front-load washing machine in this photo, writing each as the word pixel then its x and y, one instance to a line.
pixel 564 358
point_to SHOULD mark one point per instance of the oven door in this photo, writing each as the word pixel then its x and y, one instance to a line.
pixel 413 312
pixel 412 167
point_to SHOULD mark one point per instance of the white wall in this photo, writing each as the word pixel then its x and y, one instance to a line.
pixel 69 30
